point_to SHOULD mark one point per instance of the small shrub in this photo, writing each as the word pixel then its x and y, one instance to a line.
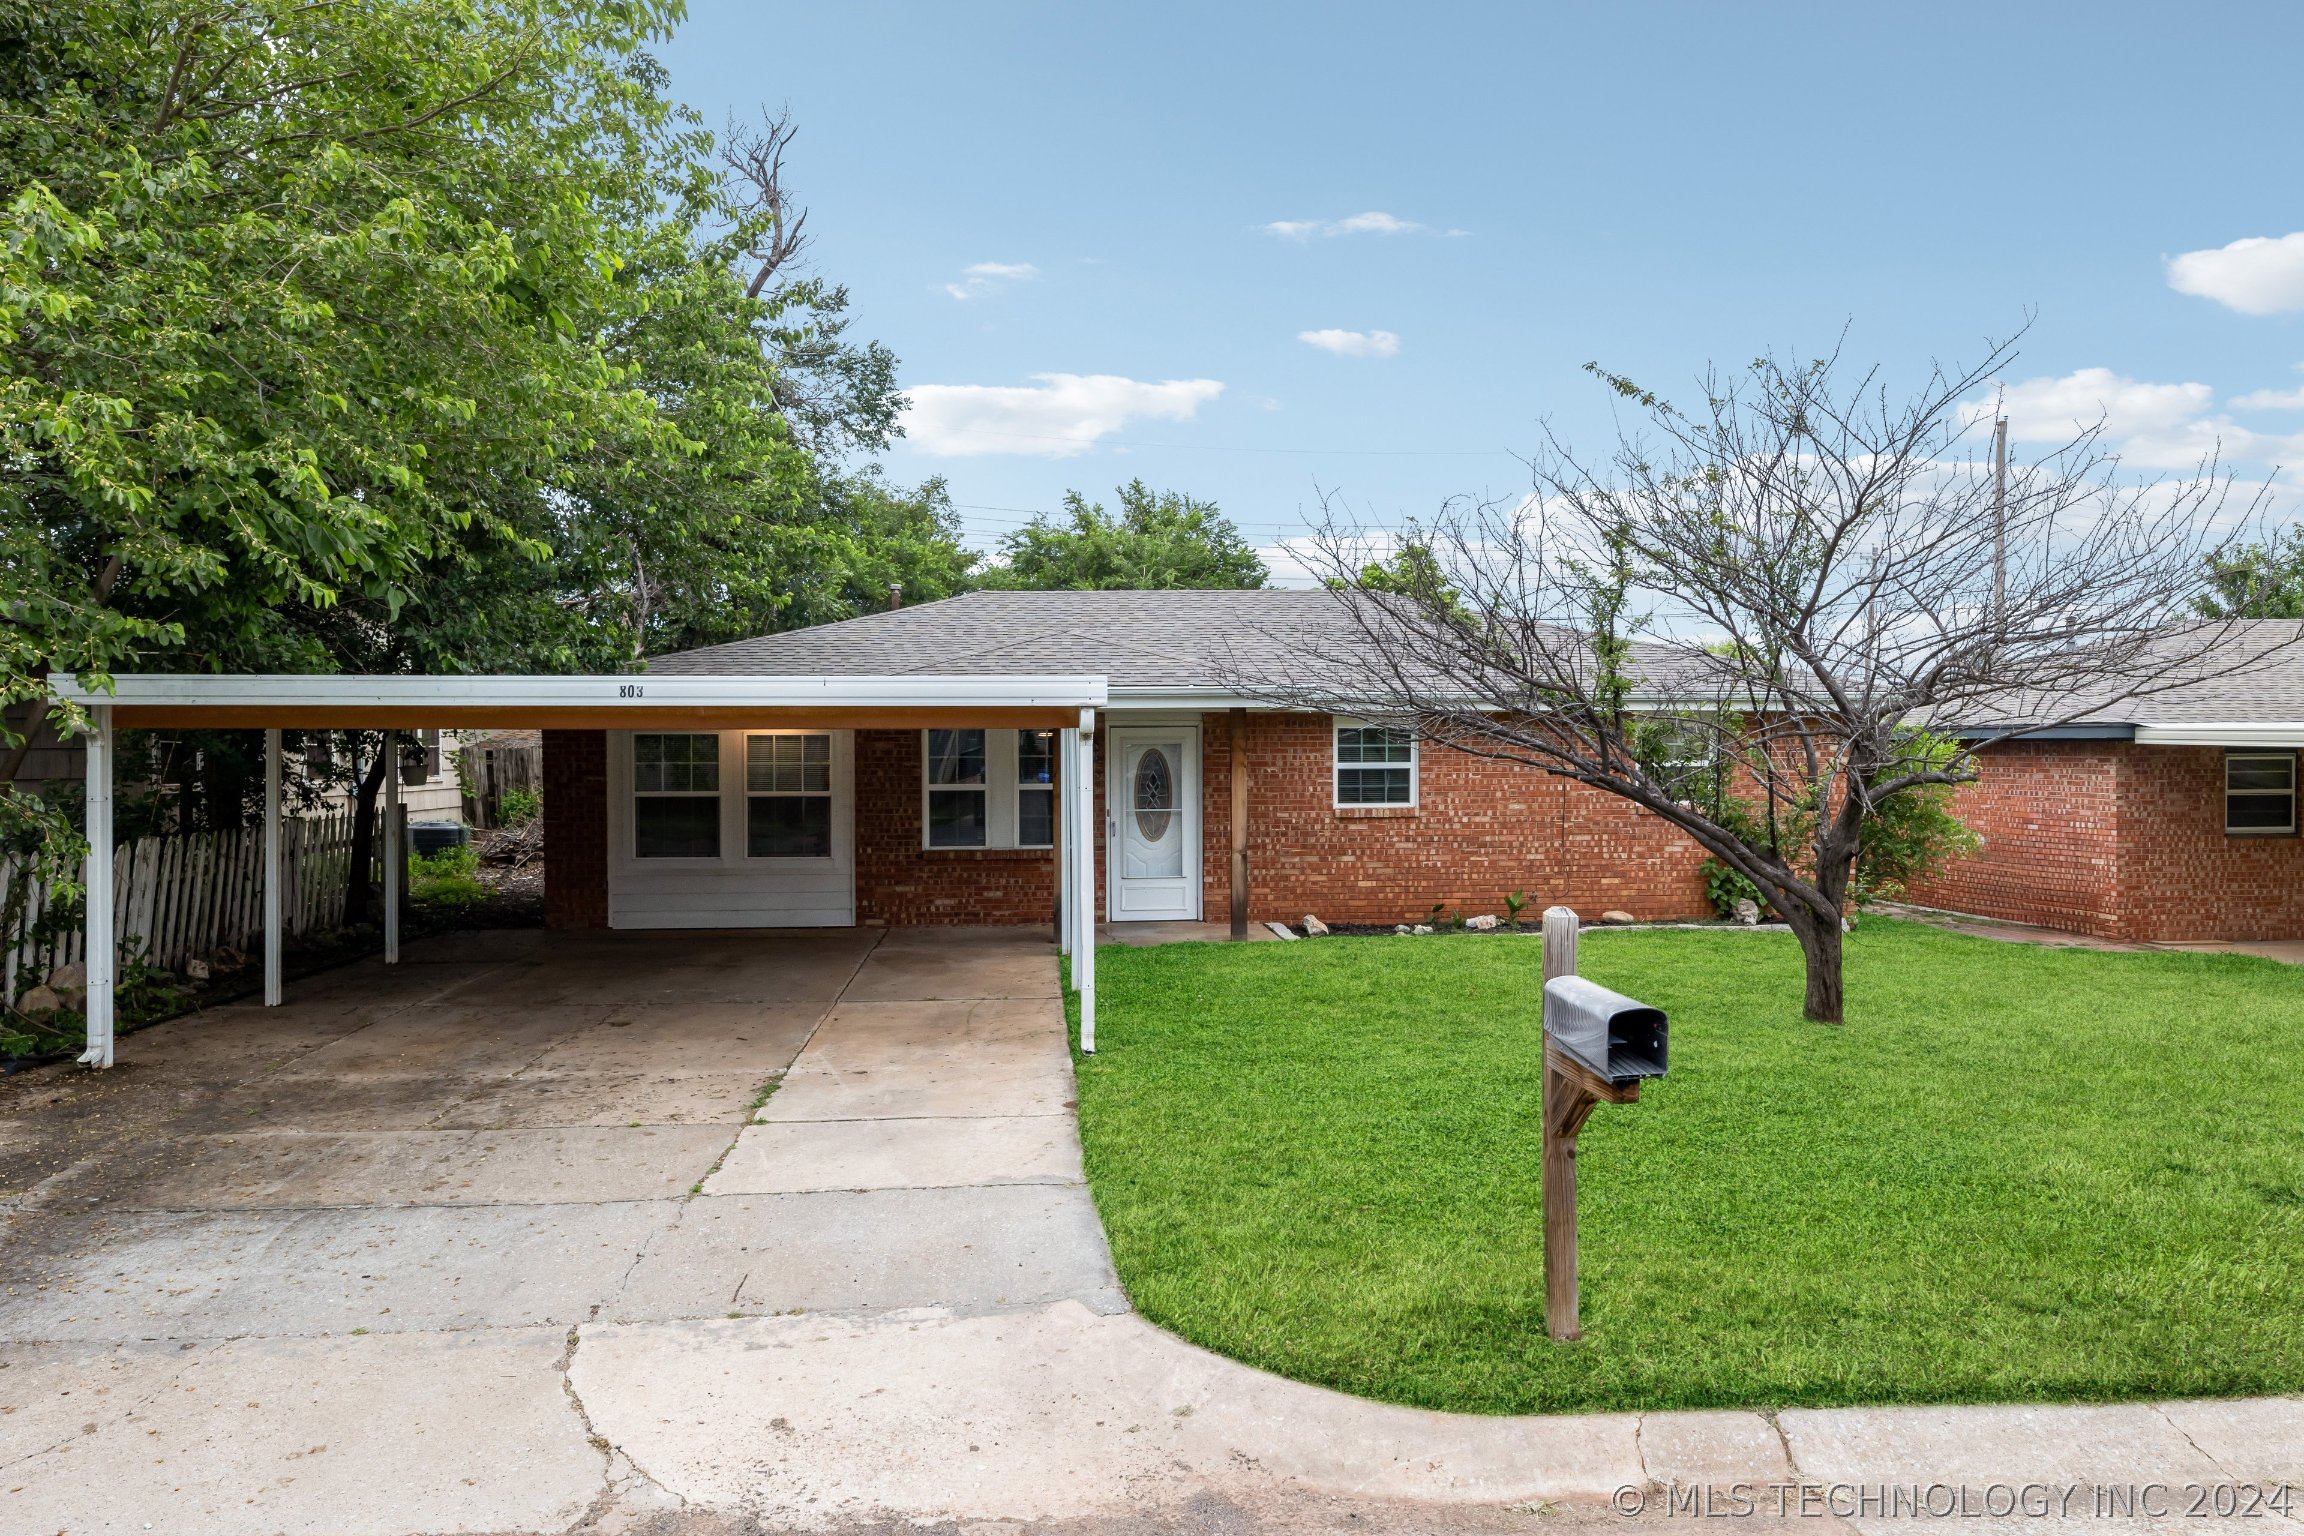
pixel 1725 887
pixel 518 807
pixel 1515 902
pixel 446 878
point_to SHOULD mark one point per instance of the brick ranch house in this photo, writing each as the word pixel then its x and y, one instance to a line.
pixel 908 768
pixel 1193 782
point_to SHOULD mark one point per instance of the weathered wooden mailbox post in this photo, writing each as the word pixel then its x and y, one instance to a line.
pixel 1598 1045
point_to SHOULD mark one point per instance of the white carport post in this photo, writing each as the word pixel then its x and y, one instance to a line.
pixel 101 942
pixel 395 862
pixel 1084 881
pixel 1067 781
pixel 272 868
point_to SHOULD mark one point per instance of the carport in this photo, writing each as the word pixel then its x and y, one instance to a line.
pixel 276 702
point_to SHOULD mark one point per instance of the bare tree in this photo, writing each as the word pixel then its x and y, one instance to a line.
pixel 1763 619
pixel 755 159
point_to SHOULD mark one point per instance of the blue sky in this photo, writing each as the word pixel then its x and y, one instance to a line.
pixel 1062 218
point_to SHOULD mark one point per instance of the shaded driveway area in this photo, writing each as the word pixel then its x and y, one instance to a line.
pixel 709 1233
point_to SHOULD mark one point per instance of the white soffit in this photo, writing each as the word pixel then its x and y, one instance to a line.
pixel 2223 734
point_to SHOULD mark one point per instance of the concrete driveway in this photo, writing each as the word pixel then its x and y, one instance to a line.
pixel 509 1240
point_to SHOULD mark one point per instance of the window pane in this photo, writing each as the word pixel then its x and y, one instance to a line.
pixel 1371 744
pixel 788 765
pixel 956 816
pixel 2260 773
pixel 1373 786
pixel 956 757
pixel 676 763
pixel 676 827
pixel 1035 818
pixel 1035 757
pixel 2260 813
pixel 789 827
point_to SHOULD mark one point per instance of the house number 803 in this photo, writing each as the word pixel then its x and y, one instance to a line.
pixel 629 691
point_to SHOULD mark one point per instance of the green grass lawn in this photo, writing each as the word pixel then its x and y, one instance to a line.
pixel 2015 1173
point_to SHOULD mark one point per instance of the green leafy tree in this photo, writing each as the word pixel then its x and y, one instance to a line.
pixel 2256 581
pixel 296 298
pixel 1157 539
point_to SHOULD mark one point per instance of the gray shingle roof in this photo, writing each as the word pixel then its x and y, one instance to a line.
pixel 2253 675
pixel 1211 639
pixel 1187 639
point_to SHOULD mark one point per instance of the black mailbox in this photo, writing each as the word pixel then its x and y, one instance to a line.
pixel 1621 1040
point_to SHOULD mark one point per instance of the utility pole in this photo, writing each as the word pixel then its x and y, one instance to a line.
pixel 2000 528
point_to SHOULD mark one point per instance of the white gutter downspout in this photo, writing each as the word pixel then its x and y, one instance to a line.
pixel 100 950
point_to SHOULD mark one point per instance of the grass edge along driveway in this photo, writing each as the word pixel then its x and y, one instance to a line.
pixel 2016 1173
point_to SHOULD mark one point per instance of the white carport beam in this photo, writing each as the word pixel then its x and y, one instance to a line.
pixel 594 702
pixel 395 861
pixel 272 869
pixel 1067 785
pixel 1084 878
pixel 101 941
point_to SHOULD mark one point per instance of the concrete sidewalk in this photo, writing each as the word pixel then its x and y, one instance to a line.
pixel 442 1251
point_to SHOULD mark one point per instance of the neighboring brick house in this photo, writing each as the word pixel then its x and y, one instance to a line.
pixel 833 826
pixel 2170 817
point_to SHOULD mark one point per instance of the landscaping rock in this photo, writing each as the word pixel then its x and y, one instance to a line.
pixel 1747 911
pixel 1400 928
pixel 196 970
pixel 39 1001
pixel 69 978
pixel 1314 926
pixel 1486 922
pixel 1616 919
pixel 231 958
pixel 1421 928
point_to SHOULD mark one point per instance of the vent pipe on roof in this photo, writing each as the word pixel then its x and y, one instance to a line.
pixel 895 595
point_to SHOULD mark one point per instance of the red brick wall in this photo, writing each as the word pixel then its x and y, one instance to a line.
pixel 2181 875
pixel 1481 828
pixel 576 829
pixel 2049 814
pixel 900 883
pixel 2120 841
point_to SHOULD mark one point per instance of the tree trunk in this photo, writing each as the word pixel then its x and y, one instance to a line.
pixel 359 892
pixel 1820 947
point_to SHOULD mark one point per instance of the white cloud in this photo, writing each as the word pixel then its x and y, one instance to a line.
pixel 2055 410
pixel 2256 276
pixel 985 276
pixel 1058 416
pixel 2150 426
pixel 1352 343
pixel 2268 400
pixel 1371 223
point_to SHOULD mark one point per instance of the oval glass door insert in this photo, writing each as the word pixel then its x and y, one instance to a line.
pixel 1155 795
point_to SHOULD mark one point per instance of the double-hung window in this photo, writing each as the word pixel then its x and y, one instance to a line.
pixel 988 789
pixel 2260 793
pixel 788 795
pixel 959 809
pixel 1375 765
pixel 675 795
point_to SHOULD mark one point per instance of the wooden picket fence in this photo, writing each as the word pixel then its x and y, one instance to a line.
pixel 488 773
pixel 183 897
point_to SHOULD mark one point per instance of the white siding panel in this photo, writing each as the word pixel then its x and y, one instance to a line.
pixel 732 891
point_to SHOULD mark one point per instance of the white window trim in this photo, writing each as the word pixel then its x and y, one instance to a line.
pixel 746 794
pixel 635 794
pixel 1001 788
pixel 1017 789
pixel 2289 794
pixel 1337 725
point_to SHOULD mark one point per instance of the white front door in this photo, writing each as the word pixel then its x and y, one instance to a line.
pixel 1153 826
